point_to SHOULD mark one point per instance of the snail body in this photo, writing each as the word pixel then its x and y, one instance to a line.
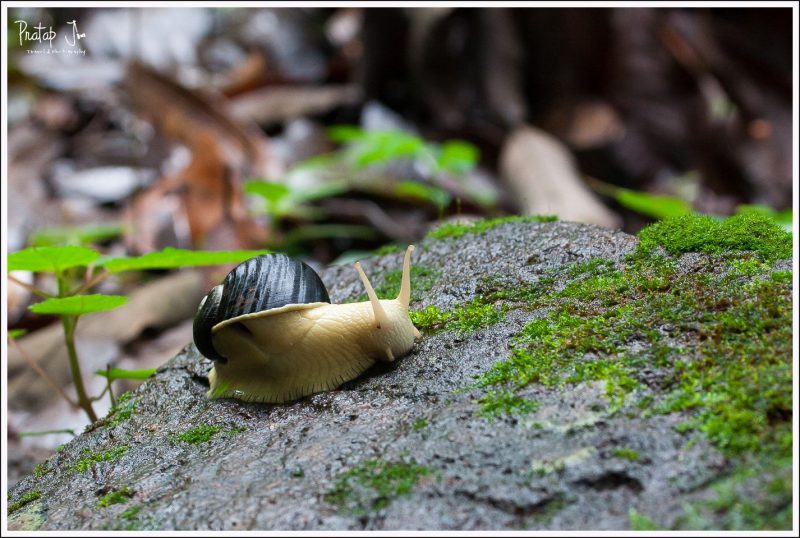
pixel 275 337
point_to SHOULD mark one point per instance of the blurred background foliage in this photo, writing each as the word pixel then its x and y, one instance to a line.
pixel 328 132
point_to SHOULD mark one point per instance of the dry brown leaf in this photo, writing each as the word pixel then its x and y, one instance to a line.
pixel 543 175
pixel 250 74
pixel 224 151
pixel 282 103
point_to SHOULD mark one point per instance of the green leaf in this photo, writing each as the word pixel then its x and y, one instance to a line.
pixel 380 147
pixel 327 189
pixel 345 133
pixel 78 304
pixel 653 205
pixel 16 333
pixel 273 193
pixel 51 259
pixel 171 258
pixel 112 374
pixel 76 235
pixel 458 156
pixel 438 197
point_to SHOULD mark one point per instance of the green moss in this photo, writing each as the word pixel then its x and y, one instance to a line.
pixel 740 504
pixel 388 248
pixel 454 230
pixel 123 410
pixel 545 514
pixel 732 379
pixel 26 498
pixel 419 424
pixel 641 522
pixel 504 402
pixel 40 470
pixel 200 434
pixel 117 496
pixel 465 319
pixel 373 484
pixel 699 233
pixel 89 458
pixel 131 513
pixel 204 433
pixel 626 453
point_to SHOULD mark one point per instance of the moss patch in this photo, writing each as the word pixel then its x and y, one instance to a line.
pixel 699 233
pixel 465 319
pixel 200 434
pixel 745 501
pixel 118 496
pixel 123 410
pixel 733 377
pixel 373 484
pixel 497 403
pixel 204 433
pixel 26 498
pixel 626 453
pixel 89 458
pixel 718 332
pixel 419 424
pixel 454 230
pixel 641 522
pixel 131 513
pixel 40 470
pixel 388 248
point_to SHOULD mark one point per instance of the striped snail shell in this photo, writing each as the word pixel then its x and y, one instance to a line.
pixel 256 285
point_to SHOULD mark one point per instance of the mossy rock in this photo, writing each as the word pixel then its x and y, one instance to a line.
pixel 569 377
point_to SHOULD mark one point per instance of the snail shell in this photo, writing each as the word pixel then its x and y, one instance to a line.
pixel 289 282
pixel 275 337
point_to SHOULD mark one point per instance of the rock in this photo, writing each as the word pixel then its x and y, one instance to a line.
pixel 407 446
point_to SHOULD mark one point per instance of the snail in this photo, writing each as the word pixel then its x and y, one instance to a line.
pixel 274 335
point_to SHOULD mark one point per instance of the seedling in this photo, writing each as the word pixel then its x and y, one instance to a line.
pixel 78 270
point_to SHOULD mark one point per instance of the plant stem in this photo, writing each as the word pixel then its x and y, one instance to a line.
pixel 69 337
pixel 46 432
pixel 91 282
pixel 29 287
pixel 69 323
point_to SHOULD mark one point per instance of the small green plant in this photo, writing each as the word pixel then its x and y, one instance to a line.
pixel 76 235
pixel 77 270
pixel 363 157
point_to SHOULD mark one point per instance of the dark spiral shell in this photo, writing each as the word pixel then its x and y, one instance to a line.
pixel 256 285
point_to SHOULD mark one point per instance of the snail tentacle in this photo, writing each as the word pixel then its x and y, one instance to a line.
pixel 381 319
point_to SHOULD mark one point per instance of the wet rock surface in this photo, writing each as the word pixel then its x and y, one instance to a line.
pixel 180 461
